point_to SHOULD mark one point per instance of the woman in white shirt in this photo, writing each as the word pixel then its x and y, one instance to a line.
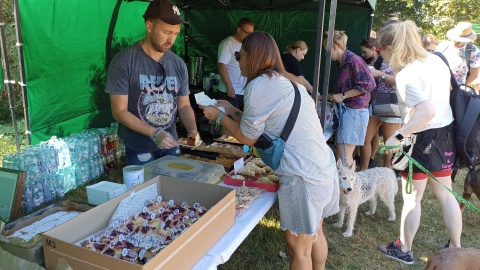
pixel 423 85
pixel 309 188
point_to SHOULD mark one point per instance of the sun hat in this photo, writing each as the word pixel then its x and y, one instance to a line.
pixel 462 32
pixel 166 11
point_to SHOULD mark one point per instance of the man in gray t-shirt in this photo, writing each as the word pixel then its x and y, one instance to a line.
pixel 148 86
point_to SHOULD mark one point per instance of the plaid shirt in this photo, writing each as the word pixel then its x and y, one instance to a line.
pixel 353 73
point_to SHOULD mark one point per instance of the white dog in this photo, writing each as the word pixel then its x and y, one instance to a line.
pixel 359 187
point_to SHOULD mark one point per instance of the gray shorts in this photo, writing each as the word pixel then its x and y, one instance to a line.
pixel 391 120
pixel 303 204
pixel 353 127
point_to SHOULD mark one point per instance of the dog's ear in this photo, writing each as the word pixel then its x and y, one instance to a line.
pixel 353 166
pixel 339 163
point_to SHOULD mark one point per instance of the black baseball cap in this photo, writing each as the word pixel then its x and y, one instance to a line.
pixel 166 11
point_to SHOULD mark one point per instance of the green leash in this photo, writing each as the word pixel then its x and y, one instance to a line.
pixel 409 186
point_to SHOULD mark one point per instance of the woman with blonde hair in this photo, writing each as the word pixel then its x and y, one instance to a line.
pixel 309 188
pixel 291 61
pixel 354 84
pixel 423 87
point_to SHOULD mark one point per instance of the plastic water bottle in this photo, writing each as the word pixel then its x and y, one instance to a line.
pixel 28 194
pixel 47 193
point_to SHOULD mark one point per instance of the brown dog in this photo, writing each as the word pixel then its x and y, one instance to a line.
pixel 454 259
pixel 472 185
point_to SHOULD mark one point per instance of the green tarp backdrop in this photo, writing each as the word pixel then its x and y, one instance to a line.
pixel 65 51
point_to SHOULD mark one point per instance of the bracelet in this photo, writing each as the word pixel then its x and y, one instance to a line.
pixel 343 96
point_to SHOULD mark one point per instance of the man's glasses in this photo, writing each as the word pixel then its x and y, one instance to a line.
pixel 246 32
pixel 237 56
pixel 164 74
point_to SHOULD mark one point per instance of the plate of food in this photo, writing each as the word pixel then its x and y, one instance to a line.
pixel 228 139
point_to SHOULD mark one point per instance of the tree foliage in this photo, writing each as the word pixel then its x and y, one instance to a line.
pixel 431 16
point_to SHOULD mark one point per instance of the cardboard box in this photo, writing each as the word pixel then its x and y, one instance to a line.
pixel 104 191
pixel 32 250
pixel 183 253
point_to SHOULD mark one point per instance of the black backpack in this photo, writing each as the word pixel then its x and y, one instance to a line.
pixel 465 106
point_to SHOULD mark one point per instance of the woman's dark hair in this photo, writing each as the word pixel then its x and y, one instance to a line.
pixel 369 43
pixel 263 57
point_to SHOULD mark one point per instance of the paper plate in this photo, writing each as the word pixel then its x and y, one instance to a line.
pixel 180 166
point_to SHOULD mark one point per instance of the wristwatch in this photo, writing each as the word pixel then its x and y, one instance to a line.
pixel 398 135
pixel 383 76
pixel 343 96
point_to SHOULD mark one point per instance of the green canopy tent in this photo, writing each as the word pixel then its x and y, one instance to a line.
pixel 67 46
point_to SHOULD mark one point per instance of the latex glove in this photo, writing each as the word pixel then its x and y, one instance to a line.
pixel 164 140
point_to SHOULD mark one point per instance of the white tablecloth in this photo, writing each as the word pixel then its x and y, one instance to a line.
pixel 224 248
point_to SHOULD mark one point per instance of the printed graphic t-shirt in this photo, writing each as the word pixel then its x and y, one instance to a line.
pixel 152 97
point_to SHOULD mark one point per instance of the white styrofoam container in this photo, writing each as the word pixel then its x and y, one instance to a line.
pixel 104 191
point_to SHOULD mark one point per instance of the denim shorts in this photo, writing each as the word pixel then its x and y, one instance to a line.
pixel 139 158
pixel 391 120
pixel 353 126
pixel 303 204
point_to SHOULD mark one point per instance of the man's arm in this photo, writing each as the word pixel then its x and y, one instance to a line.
pixel 121 114
pixel 473 75
pixel 187 116
pixel 222 70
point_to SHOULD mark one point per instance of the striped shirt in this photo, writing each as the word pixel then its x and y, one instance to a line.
pixel 268 102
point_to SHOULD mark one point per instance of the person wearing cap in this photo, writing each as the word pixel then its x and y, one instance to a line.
pixel 148 87
pixel 456 52
pixel 233 82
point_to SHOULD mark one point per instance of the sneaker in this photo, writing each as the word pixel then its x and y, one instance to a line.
pixel 371 164
pixel 393 251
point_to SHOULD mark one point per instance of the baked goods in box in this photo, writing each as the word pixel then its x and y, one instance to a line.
pixel 245 195
pixel 228 139
pixel 227 163
pixel 224 148
pixel 139 238
pixel 189 143
pixel 255 173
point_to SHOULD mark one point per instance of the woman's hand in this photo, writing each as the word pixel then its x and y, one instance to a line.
pixel 376 73
pixel 210 112
pixel 392 141
pixel 336 97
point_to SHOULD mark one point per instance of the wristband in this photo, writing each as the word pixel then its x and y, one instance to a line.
pixel 219 116
pixel 343 96
pixel 154 134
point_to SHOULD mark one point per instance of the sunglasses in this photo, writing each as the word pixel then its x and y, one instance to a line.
pixel 164 74
pixel 246 32
pixel 237 56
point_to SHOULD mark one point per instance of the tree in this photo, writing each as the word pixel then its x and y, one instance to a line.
pixel 431 16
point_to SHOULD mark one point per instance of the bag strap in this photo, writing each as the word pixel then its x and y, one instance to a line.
pixel 292 117
pixel 378 63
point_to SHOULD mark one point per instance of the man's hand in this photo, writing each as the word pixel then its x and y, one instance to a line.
pixel 231 92
pixel 164 140
pixel 193 137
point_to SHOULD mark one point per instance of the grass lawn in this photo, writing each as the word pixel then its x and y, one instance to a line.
pixel 261 248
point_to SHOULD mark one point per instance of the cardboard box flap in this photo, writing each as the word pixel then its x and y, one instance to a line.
pixel 133 204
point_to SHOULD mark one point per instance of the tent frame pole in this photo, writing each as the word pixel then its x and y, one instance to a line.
pixel 318 56
pixel 21 66
pixel 328 55
pixel 8 83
